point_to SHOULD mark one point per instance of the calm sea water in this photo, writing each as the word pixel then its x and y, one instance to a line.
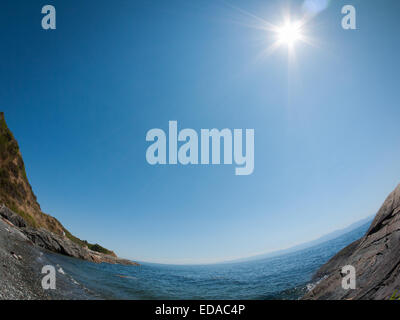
pixel 280 277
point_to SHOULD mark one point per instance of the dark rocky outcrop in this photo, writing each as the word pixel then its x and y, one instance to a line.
pixel 21 265
pixel 12 217
pixel 18 205
pixel 376 258
pixel 65 246
pixel 56 243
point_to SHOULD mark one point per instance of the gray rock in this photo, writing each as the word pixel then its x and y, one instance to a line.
pixel 52 242
pixel 14 218
pixel 376 258
pixel 21 264
pixel 56 243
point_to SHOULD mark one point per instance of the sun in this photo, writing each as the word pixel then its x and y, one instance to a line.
pixel 289 33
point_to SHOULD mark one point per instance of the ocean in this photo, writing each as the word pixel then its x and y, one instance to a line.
pixel 285 276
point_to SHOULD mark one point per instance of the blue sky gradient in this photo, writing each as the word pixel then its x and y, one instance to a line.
pixel 80 100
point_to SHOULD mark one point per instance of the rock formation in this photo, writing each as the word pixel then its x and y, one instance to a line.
pixel 376 258
pixel 19 206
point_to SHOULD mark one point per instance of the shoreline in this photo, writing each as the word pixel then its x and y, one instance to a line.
pixel 21 266
pixel 58 243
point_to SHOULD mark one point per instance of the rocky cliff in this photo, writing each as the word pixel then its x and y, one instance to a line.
pixel 18 205
pixel 376 258
pixel 15 190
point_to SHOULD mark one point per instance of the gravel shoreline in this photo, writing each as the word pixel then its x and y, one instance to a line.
pixel 21 263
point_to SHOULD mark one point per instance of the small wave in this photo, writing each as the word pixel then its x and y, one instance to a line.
pixel 312 285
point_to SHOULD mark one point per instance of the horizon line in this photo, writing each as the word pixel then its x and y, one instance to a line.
pixel 244 258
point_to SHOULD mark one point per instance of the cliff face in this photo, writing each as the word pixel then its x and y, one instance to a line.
pixel 376 258
pixel 16 194
pixel 15 190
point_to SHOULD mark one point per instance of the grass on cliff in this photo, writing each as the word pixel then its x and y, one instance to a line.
pixel 8 145
pixel 395 296
pixel 8 153
pixel 12 191
pixel 83 243
pixel 26 216
pixel 98 248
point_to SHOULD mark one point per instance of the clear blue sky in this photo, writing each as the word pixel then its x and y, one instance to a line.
pixel 80 100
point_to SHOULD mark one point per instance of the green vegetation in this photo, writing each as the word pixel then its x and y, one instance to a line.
pixel 73 238
pixel 5 138
pixel 98 248
pixel 26 216
pixel 395 296
pixel 83 243
pixel 8 145
pixel 10 189
pixel 16 192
